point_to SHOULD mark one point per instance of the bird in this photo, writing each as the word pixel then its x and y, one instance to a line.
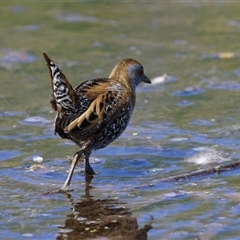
pixel 97 111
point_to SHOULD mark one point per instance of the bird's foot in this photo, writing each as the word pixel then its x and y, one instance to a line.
pixel 89 170
pixel 65 188
pixel 62 190
pixel 88 181
pixel 88 178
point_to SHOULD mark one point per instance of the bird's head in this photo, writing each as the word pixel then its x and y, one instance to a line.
pixel 130 70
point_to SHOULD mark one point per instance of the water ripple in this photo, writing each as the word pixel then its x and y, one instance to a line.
pixel 35 120
pixel 9 154
pixel 189 91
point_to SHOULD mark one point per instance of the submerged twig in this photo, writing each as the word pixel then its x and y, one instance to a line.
pixel 215 170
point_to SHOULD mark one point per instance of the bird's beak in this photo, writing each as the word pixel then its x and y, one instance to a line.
pixel 146 79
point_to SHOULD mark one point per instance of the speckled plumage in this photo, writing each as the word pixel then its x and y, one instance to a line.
pixel 96 112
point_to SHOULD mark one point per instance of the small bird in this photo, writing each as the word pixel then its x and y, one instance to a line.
pixel 97 111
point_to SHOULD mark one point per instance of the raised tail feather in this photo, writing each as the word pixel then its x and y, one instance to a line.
pixel 64 98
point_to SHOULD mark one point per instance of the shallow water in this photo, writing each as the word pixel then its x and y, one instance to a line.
pixel 185 121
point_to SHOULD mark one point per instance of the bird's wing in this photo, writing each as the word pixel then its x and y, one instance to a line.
pixel 107 101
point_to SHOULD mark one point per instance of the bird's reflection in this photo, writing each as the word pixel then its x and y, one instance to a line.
pixel 94 218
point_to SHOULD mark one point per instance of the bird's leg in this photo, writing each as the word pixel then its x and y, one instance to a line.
pixel 89 172
pixel 77 156
pixel 88 168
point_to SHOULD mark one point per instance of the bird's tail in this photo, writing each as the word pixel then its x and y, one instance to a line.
pixel 64 99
